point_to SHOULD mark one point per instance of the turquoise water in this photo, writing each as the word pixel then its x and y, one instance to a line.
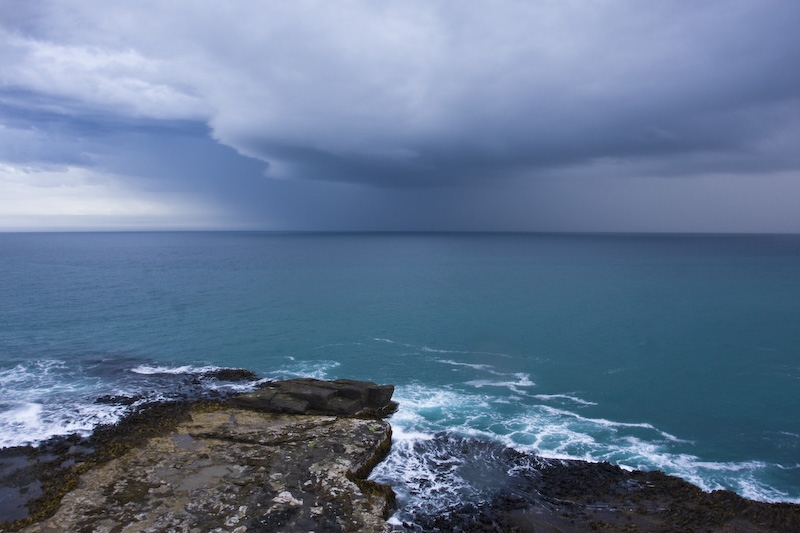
pixel 679 353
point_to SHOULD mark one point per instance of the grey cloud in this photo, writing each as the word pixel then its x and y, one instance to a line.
pixel 680 82
pixel 361 103
pixel 430 92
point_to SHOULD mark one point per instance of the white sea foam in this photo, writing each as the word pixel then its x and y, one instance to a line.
pixel 430 477
pixel 419 398
pixel 474 366
pixel 221 385
pixel 31 423
pixel 522 380
pixel 44 398
pixel 400 434
pixel 611 423
pixel 395 521
pixel 184 369
pixel 332 345
pixel 234 386
pixel 739 476
pixel 498 410
pixel 306 369
pixel 21 415
pixel 428 349
pixel 48 398
pixel 750 488
pixel 466 352
pixel 563 397
pixel 38 371
pixel 549 432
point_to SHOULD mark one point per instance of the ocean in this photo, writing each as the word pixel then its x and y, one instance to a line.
pixel 671 352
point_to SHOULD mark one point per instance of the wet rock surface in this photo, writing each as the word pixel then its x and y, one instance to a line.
pixel 542 495
pixel 34 479
pixel 212 457
pixel 237 470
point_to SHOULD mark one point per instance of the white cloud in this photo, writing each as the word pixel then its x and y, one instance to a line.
pixel 76 196
pixel 121 82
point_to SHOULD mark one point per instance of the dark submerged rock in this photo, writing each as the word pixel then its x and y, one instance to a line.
pixel 231 374
pixel 110 399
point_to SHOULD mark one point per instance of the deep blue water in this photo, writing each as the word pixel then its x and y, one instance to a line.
pixel 679 353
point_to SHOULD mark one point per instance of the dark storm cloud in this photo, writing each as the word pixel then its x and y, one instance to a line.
pixel 414 113
pixel 633 82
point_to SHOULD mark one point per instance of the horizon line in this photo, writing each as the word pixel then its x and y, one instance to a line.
pixel 410 232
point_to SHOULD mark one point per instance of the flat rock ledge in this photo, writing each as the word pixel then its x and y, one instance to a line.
pixel 313 396
pixel 240 467
pixel 237 470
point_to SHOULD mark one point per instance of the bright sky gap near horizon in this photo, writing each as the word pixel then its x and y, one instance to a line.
pixel 412 115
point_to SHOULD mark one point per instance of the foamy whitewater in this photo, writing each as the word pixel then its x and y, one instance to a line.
pixel 670 353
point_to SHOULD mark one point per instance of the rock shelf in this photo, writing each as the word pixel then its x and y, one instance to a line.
pixel 291 456
pixel 238 470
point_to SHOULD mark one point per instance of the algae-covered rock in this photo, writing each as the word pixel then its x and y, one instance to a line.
pixel 238 470
pixel 231 374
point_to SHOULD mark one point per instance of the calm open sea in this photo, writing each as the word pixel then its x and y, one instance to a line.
pixel 679 353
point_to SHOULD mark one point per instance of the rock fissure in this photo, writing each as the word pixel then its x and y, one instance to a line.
pixel 234 440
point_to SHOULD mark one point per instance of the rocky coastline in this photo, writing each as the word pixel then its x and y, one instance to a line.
pixel 292 456
pixel 295 455
pixel 547 495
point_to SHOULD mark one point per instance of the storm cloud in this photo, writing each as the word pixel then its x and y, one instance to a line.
pixel 498 115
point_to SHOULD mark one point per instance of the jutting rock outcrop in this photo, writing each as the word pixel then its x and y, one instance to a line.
pixel 312 396
pixel 246 467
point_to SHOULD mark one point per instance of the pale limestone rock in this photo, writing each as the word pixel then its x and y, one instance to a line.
pixel 237 470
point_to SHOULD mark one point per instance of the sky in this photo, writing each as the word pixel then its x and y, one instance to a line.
pixel 390 115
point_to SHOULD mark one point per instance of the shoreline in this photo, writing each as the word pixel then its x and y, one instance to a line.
pixel 541 494
pixel 557 495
